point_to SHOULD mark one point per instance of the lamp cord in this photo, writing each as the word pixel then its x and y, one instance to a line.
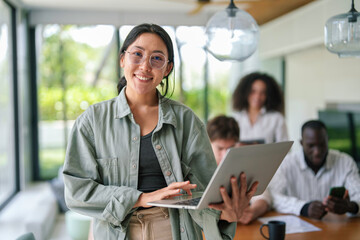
pixel 353 7
pixel 353 17
pixel 232 5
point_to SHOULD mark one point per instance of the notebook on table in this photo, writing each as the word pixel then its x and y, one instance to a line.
pixel 259 163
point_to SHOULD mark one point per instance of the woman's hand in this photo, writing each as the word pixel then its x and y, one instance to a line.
pixel 255 210
pixel 232 208
pixel 170 191
pixel 248 215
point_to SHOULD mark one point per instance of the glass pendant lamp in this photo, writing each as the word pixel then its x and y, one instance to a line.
pixel 232 34
pixel 342 33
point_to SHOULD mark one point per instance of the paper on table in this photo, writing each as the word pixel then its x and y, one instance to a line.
pixel 293 224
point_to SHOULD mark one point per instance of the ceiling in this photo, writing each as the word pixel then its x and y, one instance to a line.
pixel 188 11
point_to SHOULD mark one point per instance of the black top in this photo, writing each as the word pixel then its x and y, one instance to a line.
pixel 151 177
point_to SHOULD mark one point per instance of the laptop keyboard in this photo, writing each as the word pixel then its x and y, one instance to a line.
pixel 190 202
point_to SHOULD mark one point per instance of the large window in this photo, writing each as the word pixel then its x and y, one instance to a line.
pixel 203 80
pixel 7 156
pixel 77 68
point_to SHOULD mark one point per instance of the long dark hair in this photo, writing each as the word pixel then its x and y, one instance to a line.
pixel 274 96
pixel 133 35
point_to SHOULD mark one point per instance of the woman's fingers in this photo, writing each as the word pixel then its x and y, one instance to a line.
pixel 182 185
pixel 232 208
pixel 178 184
pixel 226 201
pixel 243 186
pixel 188 192
pixel 170 191
pixel 252 189
pixel 235 188
pixel 186 186
pixel 225 196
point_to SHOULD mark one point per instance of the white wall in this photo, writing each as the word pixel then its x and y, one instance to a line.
pixel 313 76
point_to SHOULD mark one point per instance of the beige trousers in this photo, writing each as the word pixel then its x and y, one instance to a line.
pixel 150 224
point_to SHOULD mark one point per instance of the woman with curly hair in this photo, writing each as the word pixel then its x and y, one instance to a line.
pixel 259 106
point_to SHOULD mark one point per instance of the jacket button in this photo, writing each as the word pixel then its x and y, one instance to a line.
pixel 134 138
pixel 182 229
pixel 158 147
pixel 168 173
pixel 140 216
pixel 134 165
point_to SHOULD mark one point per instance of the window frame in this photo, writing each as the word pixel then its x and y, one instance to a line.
pixel 13 83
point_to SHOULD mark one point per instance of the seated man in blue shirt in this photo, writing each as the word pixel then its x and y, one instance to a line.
pixel 302 183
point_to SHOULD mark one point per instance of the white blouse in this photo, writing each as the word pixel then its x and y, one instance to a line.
pixel 270 126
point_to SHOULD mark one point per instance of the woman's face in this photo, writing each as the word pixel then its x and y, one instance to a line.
pixel 143 78
pixel 257 96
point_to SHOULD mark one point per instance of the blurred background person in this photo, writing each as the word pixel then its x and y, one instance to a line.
pixel 302 184
pixel 224 133
pixel 258 105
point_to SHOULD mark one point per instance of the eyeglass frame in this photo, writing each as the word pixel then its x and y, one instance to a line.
pixel 143 58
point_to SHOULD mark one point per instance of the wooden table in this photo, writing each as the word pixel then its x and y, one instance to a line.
pixel 334 227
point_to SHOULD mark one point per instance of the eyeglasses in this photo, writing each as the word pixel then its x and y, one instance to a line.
pixel 156 60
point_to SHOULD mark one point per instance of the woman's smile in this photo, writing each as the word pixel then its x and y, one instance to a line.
pixel 143 78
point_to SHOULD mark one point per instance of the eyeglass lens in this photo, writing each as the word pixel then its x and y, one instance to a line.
pixel 157 60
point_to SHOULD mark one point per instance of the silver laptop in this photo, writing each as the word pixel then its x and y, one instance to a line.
pixel 259 162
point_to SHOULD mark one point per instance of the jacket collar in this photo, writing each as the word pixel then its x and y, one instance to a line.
pixel 122 106
pixel 166 112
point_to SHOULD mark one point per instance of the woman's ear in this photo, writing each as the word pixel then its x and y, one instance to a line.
pixel 122 60
pixel 168 69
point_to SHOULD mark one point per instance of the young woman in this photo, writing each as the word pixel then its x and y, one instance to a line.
pixel 140 147
pixel 259 106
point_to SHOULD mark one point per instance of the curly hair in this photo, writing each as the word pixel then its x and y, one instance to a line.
pixel 223 127
pixel 274 96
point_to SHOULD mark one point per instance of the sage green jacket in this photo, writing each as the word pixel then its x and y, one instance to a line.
pixel 102 159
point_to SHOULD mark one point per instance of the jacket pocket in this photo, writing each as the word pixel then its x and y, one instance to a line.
pixel 108 170
pixel 191 176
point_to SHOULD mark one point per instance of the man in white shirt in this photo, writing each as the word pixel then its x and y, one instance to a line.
pixel 302 183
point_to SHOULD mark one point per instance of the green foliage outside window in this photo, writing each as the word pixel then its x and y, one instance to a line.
pixel 78 98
